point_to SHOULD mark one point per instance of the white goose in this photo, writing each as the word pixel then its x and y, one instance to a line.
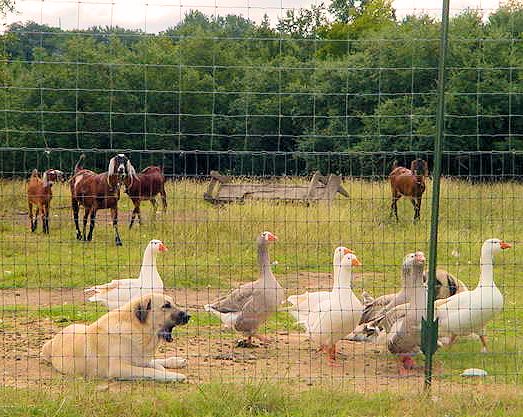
pixel 119 292
pixel 469 311
pixel 330 316
pixel 313 298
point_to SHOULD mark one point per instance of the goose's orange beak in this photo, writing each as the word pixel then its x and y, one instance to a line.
pixel 272 237
pixel 505 245
pixel 162 248
pixel 419 257
pixel 356 262
pixel 347 251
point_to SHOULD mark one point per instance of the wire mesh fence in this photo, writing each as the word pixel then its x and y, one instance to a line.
pixel 260 131
pixel 212 251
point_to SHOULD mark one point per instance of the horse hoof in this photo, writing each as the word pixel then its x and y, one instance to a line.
pixel 119 243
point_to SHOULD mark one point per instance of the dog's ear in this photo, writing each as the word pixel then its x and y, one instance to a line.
pixel 141 312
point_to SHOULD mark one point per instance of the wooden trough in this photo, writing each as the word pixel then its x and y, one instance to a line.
pixel 222 190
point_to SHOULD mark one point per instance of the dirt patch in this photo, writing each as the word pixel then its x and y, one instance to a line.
pixel 211 352
pixel 212 355
pixel 36 297
pixel 194 298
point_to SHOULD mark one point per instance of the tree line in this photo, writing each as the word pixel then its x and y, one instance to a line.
pixel 348 77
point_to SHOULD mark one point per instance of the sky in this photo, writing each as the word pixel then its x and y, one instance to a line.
pixel 153 16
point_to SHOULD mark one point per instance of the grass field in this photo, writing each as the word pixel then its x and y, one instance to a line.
pixel 261 399
pixel 212 249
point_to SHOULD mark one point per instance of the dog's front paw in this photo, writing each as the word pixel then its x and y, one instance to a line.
pixel 174 377
pixel 175 362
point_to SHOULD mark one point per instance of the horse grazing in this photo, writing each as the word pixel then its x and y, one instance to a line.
pixel 40 194
pixel 147 184
pixel 410 183
pixel 100 191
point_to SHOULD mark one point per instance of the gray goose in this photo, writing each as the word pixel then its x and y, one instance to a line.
pixel 403 323
pixel 446 285
pixel 246 308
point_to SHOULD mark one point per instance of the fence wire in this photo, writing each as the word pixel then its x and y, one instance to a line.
pixel 212 250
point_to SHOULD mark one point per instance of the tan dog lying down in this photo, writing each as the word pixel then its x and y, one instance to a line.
pixel 122 343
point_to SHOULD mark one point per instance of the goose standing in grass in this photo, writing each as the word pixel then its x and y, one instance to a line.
pixel 314 298
pixel 119 292
pixel 403 322
pixel 329 316
pixel 249 306
pixel 374 308
pixel 468 312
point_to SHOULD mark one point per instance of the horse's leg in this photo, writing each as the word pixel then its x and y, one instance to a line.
pixel 416 202
pixel 394 205
pixel 37 213
pixel 76 209
pixel 45 217
pixel 33 224
pixel 92 222
pixel 155 207
pixel 92 212
pixel 114 212
pixel 136 211
pixel 164 198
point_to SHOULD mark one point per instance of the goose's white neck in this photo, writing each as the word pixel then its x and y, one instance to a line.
pixel 486 261
pixel 342 277
pixel 148 264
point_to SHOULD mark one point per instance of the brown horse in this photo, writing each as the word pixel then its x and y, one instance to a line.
pixel 409 183
pixel 98 192
pixel 146 186
pixel 39 193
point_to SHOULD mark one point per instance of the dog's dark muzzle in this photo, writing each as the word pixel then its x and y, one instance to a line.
pixel 176 319
pixel 182 318
pixel 165 333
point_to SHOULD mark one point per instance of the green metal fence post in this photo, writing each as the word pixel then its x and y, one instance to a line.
pixel 429 328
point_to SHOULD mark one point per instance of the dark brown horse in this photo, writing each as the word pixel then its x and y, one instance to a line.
pixel 409 183
pixel 99 191
pixel 146 186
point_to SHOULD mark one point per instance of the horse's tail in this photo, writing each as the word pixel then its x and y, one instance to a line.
pixel 78 165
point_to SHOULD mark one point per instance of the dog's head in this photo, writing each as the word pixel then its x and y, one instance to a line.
pixel 159 312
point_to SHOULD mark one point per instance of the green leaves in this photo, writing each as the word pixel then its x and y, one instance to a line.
pixel 357 79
